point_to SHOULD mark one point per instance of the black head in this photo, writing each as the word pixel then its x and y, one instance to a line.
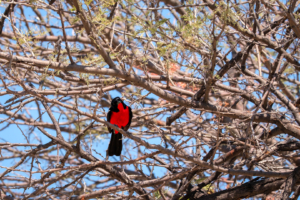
pixel 115 102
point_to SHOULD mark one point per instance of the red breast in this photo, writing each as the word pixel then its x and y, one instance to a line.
pixel 121 118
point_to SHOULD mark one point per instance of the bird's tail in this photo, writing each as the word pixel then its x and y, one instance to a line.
pixel 115 144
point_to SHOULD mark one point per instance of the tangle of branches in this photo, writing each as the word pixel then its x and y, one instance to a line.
pixel 213 87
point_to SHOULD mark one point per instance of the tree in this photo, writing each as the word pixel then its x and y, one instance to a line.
pixel 213 85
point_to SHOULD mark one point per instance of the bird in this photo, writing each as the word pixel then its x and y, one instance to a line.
pixel 119 115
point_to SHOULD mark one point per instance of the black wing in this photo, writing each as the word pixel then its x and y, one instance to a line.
pixel 130 117
pixel 108 119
